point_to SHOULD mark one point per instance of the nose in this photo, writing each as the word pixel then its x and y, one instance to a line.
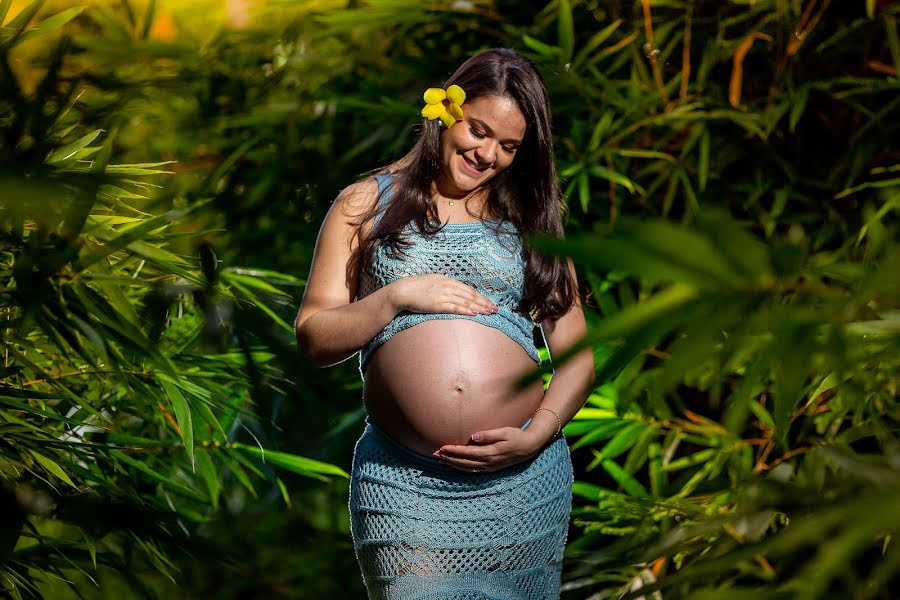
pixel 486 153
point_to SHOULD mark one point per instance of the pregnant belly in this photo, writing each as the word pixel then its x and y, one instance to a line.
pixel 440 381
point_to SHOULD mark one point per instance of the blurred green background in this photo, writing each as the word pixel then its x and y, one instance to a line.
pixel 732 174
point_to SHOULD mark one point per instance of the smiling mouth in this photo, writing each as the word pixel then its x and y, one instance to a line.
pixel 471 168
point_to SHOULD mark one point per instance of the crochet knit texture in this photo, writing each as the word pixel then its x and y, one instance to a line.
pixel 424 531
pixel 484 254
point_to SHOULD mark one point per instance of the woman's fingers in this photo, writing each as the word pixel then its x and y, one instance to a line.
pixel 477 453
pixel 470 300
pixel 435 293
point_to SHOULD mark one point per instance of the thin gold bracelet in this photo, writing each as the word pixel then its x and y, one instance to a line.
pixel 552 412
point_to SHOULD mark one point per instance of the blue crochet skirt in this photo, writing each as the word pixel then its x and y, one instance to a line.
pixel 424 531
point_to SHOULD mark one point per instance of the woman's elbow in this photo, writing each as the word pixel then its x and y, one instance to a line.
pixel 590 367
pixel 306 345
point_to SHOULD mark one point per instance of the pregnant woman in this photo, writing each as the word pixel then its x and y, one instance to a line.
pixel 461 481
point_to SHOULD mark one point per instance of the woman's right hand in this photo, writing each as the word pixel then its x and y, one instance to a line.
pixel 436 293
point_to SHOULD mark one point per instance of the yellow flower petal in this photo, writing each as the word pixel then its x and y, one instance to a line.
pixel 447 119
pixel 434 95
pixel 455 111
pixel 433 111
pixel 456 94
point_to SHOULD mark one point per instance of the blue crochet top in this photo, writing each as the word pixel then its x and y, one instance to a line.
pixel 484 254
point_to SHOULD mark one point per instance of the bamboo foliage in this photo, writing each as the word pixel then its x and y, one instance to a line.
pixel 126 401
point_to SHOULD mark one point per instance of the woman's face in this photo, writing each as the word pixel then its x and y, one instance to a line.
pixel 482 145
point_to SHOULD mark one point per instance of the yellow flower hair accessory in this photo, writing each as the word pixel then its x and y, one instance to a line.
pixel 444 105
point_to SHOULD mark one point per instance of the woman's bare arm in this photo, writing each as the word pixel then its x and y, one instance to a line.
pixel 572 381
pixel 330 326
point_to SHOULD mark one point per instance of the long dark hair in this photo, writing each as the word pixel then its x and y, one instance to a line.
pixel 525 193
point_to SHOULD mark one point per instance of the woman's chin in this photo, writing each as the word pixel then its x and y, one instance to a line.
pixel 467 183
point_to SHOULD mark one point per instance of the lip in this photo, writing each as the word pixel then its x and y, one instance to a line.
pixel 468 168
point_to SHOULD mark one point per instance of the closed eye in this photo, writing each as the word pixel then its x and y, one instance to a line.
pixel 481 135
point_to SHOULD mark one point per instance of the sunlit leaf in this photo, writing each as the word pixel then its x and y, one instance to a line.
pixel 183 417
pixel 296 464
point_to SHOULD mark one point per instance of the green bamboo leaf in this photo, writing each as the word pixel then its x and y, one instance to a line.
pixel 540 47
pixel 658 250
pixel 760 412
pixel 110 220
pixel 284 492
pixel 742 252
pixel 588 491
pixel 828 382
pixel 600 130
pixel 657 476
pixel 14 392
pixel 691 461
pixel 610 175
pixel 51 23
pixel 584 191
pixel 282 278
pixel 884 183
pixel 572 169
pixel 52 467
pixel 637 455
pixel 566 30
pixel 790 371
pixel 69 150
pixel 238 472
pixel 692 203
pixel 891 204
pixel 658 308
pixel 798 106
pixel 253 282
pixel 132 237
pixel 139 168
pixel 170 483
pixel 743 397
pixel 51 416
pixel 90 333
pixel 148 19
pixel 75 162
pixel 632 486
pixel 635 153
pixel 605 429
pixel 595 41
pixel 113 191
pixel 696 479
pixel 632 351
pixel 623 440
pixel 703 163
pixel 262 306
pixel 210 475
pixel 17 24
pixel 91 544
pixel 5 5
pixel 296 464
pixel 595 413
pixel 701 336
pixel 577 428
pixel 182 416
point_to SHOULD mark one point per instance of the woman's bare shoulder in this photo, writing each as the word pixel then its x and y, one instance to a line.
pixel 358 198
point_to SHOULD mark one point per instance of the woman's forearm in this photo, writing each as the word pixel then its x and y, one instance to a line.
pixel 332 335
pixel 570 386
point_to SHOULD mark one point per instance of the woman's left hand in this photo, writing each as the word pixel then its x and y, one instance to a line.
pixel 492 450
